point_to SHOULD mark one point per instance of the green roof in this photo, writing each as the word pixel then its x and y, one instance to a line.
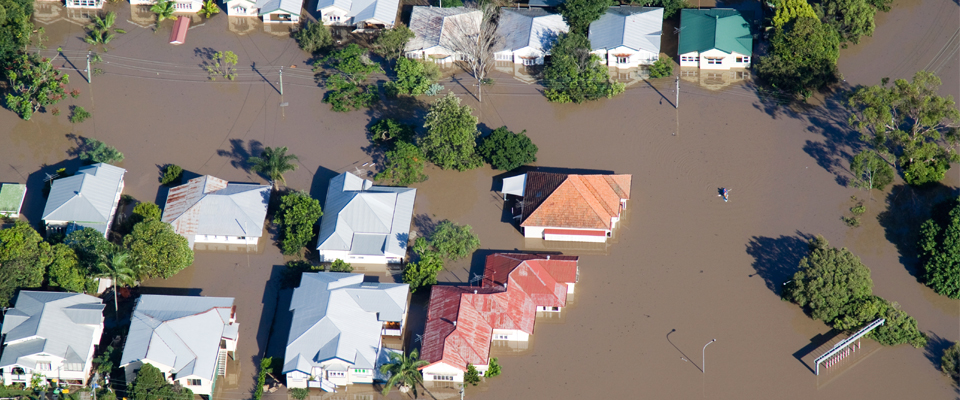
pixel 718 28
pixel 11 197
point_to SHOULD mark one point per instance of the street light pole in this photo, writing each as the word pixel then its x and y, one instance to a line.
pixel 703 356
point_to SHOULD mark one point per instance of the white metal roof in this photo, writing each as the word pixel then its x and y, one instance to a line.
pixel 514 185
pixel 86 197
pixel 338 316
pixel 268 6
pixel 638 28
pixel 435 26
pixel 64 325
pixel 535 28
pixel 362 10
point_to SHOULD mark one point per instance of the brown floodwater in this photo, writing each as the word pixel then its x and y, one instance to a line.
pixel 683 269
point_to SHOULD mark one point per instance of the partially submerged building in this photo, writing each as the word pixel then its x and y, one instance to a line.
pixel 337 330
pixel 527 35
pixel 88 199
pixel 188 338
pixel 439 31
pixel 364 223
pixel 363 14
pixel 51 334
pixel 627 37
pixel 716 38
pixel 211 210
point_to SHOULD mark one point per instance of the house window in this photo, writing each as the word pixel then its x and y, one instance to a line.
pixel 688 59
pixel 743 60
pixel 44 366
pixel 336 374
pixel 623 60
pixel 529 61
pixel 715 61
pixel 361 371
pixel 443 377
pixel 333 18
pixel 193 382
pixel 504 57
pixel 240 10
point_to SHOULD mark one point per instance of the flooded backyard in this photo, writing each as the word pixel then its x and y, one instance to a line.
pixel 684 268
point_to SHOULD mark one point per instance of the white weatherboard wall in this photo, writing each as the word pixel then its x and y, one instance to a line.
pixel 242 8
pixel 510 334
pixel 443 372
pixel 625 57
pixel 538 232
pixel 715 59
pixel 225 239
pixel 98 4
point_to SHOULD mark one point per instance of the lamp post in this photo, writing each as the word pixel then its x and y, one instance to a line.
pixel 703 356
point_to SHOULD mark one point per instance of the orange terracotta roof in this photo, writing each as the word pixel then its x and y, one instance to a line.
pixel 579 201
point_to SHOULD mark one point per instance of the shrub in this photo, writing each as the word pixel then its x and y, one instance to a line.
pixel 171 174
pixel 94 151
pixel 75 93
pixel 55 112
pixel 472 376
pixel 454 241
pixel 340 266
pixel 297 215
pixel 299 393
pixel 950 362
pixel 313 37
pixel 404 165
pixel 661 69
pixel 413 77
pixel 79 115
pixel 505 150
pixel 494 368
pixel 265 367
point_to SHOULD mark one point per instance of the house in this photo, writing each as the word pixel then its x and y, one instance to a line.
pixel 180 6
pixel 337 329
pixel 52 334
pixel 364 223
pixel 627 37
pixel 438 30
pixel 567 207
pixel 379 14
pixel 527 35
pixel 462 322
pixel 98 4
pixel 280 11
pixel 718 38
pixel 211 210
pixel 11 199
pixel 188 338
pixel 87 199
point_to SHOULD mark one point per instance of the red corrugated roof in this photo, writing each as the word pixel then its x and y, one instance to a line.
pixel 578 201
pixel 461 320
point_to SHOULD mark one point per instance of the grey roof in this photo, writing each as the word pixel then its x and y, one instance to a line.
pixel 183 332
pixel 365 219
pixel 362 10
pixel 211 206
pixel 337 315
pixel 435 26
pixel 638 28
pixel 54 323
pixel 269 6
pixel 532 27
pixel 87 197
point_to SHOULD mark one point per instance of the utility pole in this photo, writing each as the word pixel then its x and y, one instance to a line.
pixel 703 359
pixel 676 104
pixel 88 67
pixel 281 80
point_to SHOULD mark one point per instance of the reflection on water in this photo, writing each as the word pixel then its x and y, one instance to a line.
pixel 713 79
pixel 140 15
pixel 48 12
pixel 520 72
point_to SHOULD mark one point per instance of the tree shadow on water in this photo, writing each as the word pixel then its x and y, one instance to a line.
pixel 777 259
pixel 239 154
pixel 936 347
pixel 907 209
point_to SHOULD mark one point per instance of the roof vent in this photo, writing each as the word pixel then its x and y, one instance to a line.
pixel 474 291
pixel 454 323
pixel 548 257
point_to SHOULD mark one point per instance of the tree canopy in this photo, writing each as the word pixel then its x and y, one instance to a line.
pixel 24 258
pixel 451 139
pixel 388 129
pixel 506 150
pixel 578 14
pixel 404 165
pixel 911 121
pixel 391 42
pixel 295 219
pixel 950 362
pixel 454 241
pixel 403 370
pixel 66 272
pixel 150 384
pixel 940 254
pixel 423 272
pixel 871 171
pixel 93 151
pixel 33 83
pixel 413 77
pixel 314 36
pixel 789 10
pixel 90 246
pixel 802 58
pixel 852 19
pixel 351 68
pixel 274 162
pixel 574 75
pixel 157 250
pixel 15 28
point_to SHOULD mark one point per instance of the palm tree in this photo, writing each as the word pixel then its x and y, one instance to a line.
pixel 164 10
pixel 118 266
pixel 404 371
pixel 209 9
pixel 100 29
pixel 273 162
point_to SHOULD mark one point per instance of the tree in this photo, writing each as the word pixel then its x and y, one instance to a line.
pixel 827 280
pixel 578 14
pixel 100 29
pixel 391 42
pixel 454 241
pixel 898 327
pixel 472 376
pixel 574 75
pixel 493 369
pixel 33 83
pixel 313 37
pixel 871 171
pixel 404 165
pixel 911 121
pixel 339 265
pixel 295 219
pixel 164 10
pixel 413 77
pixel 790 10
pixel 24 258
pixel 15 29
pixel 506 150
pixel 79 115
pixel 950 362
pixel 65 270
pixel 661 68
pixel 157 250
pixel 424 272
pixel 90 247
pixel 451 139
pixel 403 371
pixel 265 364
pixel 150 384
pixel 852 19
pixel 352 68
pixel 223 64
pixel 273 162
pixel 476 43
pixel 94 151
pixel 940 254
pixel 120 269
pixel 143 212
pixel 172 173
pixel 802 58
pixel 389 129
pixel 209 9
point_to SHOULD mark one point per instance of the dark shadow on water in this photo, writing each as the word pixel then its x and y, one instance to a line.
pixel 777 259
pixel 685 357
pixel 35 199
pixel 170 291
pixel 936 347
pixel 240 153
pixel 815 343
pixel 424 224
pixel 319 184
pixel 277 342
pixel 907 208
